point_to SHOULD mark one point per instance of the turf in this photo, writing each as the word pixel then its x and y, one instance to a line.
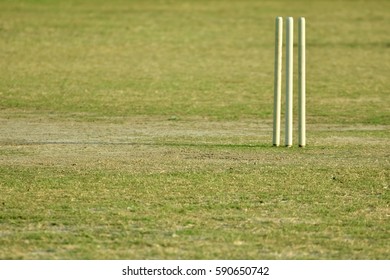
pixel 142 130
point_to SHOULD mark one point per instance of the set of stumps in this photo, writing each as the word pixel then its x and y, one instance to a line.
pixel 289 81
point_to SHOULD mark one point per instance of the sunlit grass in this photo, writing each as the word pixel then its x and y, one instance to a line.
pixel 142 130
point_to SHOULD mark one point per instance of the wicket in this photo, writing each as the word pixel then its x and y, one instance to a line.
pixel 289 81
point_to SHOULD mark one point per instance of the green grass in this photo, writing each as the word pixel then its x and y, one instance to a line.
pixel 142 130
pixel 191 58
pixel 220 202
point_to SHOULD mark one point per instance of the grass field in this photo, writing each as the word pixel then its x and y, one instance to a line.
pixel 142 130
